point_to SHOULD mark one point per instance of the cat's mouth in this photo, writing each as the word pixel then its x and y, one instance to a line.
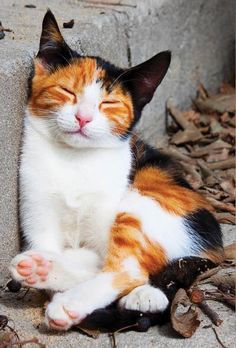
pixel 77 132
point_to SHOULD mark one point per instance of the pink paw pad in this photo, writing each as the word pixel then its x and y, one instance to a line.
pixel 35 269
pixel 58 324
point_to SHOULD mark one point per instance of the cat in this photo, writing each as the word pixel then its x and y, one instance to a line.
pixel 101 211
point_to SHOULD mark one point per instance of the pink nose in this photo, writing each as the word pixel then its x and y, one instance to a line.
pixel 83 120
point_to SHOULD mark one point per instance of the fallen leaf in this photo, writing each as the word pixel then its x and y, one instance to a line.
pixel 69 25
pixel 215 126
pixel 226 164
pixel 186 136
pixel 230 251
pixel 218 155
pixel 219 103
pixel 225 218
pixel 187 322
pixel 228 186
pixel 215 145
pixel 228 279
pixel 91 333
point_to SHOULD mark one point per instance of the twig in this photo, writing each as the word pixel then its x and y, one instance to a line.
pixel 126 327
pixel 21 343
pixel 218 338
pixel 112 334
pixel 210 313
pixel 113 339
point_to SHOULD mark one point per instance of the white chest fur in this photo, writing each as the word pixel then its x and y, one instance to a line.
pixel 79 188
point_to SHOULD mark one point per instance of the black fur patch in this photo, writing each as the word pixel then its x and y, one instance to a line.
pixel 204 226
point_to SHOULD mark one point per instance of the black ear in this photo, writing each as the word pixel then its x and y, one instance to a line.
pixel 143 79
pixel 53 50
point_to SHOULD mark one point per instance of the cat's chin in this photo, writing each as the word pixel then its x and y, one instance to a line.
pixel 79 141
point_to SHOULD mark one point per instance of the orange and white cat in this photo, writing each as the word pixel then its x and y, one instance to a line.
pixel 100 210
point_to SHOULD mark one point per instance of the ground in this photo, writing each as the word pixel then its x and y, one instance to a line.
pixel 27 315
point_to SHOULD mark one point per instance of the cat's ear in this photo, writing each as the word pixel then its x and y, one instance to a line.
pixel 53 50
pixel 143 79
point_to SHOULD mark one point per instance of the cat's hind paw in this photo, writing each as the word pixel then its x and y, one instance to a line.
pixel 30 268
pixel 145 298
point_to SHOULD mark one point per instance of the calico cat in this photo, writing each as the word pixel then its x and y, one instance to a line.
pixel 100 210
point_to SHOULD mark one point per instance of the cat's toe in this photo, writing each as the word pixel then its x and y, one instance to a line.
pixel 145 298
pixel 22 267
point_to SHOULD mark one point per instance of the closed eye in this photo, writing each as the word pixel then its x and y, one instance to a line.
pixel 66 90
pixel 111 103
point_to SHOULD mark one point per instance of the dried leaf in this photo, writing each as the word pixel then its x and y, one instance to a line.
pixel 185 323
pixel 215 126
pixel 186 136
pixel 226 164
pixel 219 103
pixel 221 205
pixel 91 333
pixel 230 251
pixel 216 145
pixel 228 279
pixel 202 277
pixel 218 156
pixel 225 218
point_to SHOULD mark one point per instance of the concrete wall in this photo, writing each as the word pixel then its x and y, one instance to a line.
pixel 199 33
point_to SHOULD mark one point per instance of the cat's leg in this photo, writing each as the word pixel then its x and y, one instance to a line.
pixel 131 258
pixel 54 271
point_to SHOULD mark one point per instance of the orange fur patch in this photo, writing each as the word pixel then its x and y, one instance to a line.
pixel 155 183
pixel 50 90
pixel 128 240
pixel 118 107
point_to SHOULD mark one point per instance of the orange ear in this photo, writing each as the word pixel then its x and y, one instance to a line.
pixel 40 68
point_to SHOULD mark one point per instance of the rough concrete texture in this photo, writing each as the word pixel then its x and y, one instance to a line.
pixel 199 33
pixel 27 314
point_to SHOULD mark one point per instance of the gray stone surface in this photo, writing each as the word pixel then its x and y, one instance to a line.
pixel 27 314
pixel 199 33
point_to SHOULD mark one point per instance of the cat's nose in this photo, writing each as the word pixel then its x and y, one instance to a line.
pixel 83 120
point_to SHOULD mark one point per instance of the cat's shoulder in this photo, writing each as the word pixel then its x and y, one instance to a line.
pixel 144 155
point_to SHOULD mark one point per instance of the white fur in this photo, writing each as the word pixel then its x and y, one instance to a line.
pixel 145 298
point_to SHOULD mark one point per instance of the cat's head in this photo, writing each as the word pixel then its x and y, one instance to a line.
pixel 84 101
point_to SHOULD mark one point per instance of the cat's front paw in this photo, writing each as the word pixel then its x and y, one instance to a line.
pixel 31 268
pixel 65 311
pixel 145 298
